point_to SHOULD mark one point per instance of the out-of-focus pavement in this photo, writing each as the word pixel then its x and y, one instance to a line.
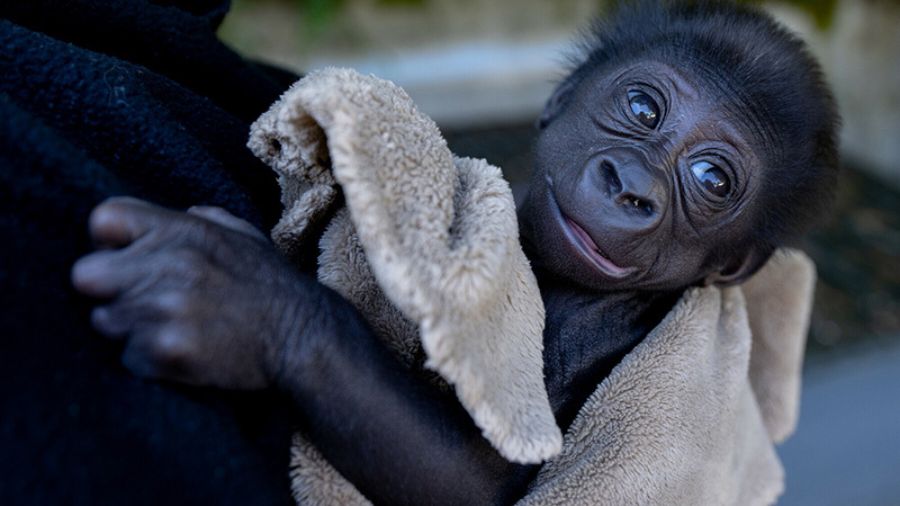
pixel 846 450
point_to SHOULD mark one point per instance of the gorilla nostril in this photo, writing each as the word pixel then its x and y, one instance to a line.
pixel 635 203
pixel 610 177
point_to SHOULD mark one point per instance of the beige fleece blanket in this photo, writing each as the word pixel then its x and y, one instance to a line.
pixel 426 245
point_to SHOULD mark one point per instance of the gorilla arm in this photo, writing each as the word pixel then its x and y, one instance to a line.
pixel 202 298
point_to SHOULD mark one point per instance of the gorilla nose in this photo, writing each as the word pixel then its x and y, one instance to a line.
pixel 633 188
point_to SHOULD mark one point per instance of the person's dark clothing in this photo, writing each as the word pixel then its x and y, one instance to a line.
pixel 102 98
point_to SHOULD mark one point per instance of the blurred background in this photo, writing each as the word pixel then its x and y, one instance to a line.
pixel 483 68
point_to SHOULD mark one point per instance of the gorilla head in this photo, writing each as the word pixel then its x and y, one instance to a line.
pixel 689 142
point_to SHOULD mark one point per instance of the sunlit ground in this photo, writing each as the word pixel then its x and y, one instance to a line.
pixel 846 450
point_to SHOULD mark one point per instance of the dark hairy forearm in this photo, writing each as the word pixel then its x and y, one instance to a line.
pixel 396 438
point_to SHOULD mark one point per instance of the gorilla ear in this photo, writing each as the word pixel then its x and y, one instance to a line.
pixel 738 271
pixel 556 103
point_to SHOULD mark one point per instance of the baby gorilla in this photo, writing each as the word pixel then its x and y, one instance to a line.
pixel 688 143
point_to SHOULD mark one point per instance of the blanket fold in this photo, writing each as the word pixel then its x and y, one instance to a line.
pixel 429 234
pixel 425 245
pixel 689 416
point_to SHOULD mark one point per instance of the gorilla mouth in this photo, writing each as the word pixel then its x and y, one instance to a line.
pixel 593 252
pixel 582 242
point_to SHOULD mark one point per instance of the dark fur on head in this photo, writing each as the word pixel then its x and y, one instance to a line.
pixel 768 70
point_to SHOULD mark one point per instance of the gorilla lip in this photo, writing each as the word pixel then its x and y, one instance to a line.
pixel 593 251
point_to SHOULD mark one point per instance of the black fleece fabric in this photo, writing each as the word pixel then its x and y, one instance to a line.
pixel 120 97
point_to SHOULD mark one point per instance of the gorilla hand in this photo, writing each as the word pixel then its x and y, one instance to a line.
pixel 201 297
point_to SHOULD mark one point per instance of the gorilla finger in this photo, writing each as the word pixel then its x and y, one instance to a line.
pixel 226 219
pixel 103 274
pixel 119 221
pixel 119 318
pixel 112 321
pixel 163 351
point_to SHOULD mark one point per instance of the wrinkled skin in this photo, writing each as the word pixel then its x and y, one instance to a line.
pixel 631 187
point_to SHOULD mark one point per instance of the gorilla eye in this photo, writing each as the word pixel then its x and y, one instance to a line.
pixel 644 108
pixel 712 178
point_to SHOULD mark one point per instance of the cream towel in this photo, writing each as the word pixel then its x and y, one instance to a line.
pixel 689 416
pixel 427 247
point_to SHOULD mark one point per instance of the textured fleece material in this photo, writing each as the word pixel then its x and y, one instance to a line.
pixel 426 246
pixel 431 235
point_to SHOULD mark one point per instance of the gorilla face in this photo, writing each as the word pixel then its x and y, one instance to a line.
pixel 642 172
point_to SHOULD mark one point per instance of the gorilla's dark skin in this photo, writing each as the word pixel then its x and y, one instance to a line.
pixel 671 157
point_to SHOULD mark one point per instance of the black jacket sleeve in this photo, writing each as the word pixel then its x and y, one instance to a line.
pixel 102 98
